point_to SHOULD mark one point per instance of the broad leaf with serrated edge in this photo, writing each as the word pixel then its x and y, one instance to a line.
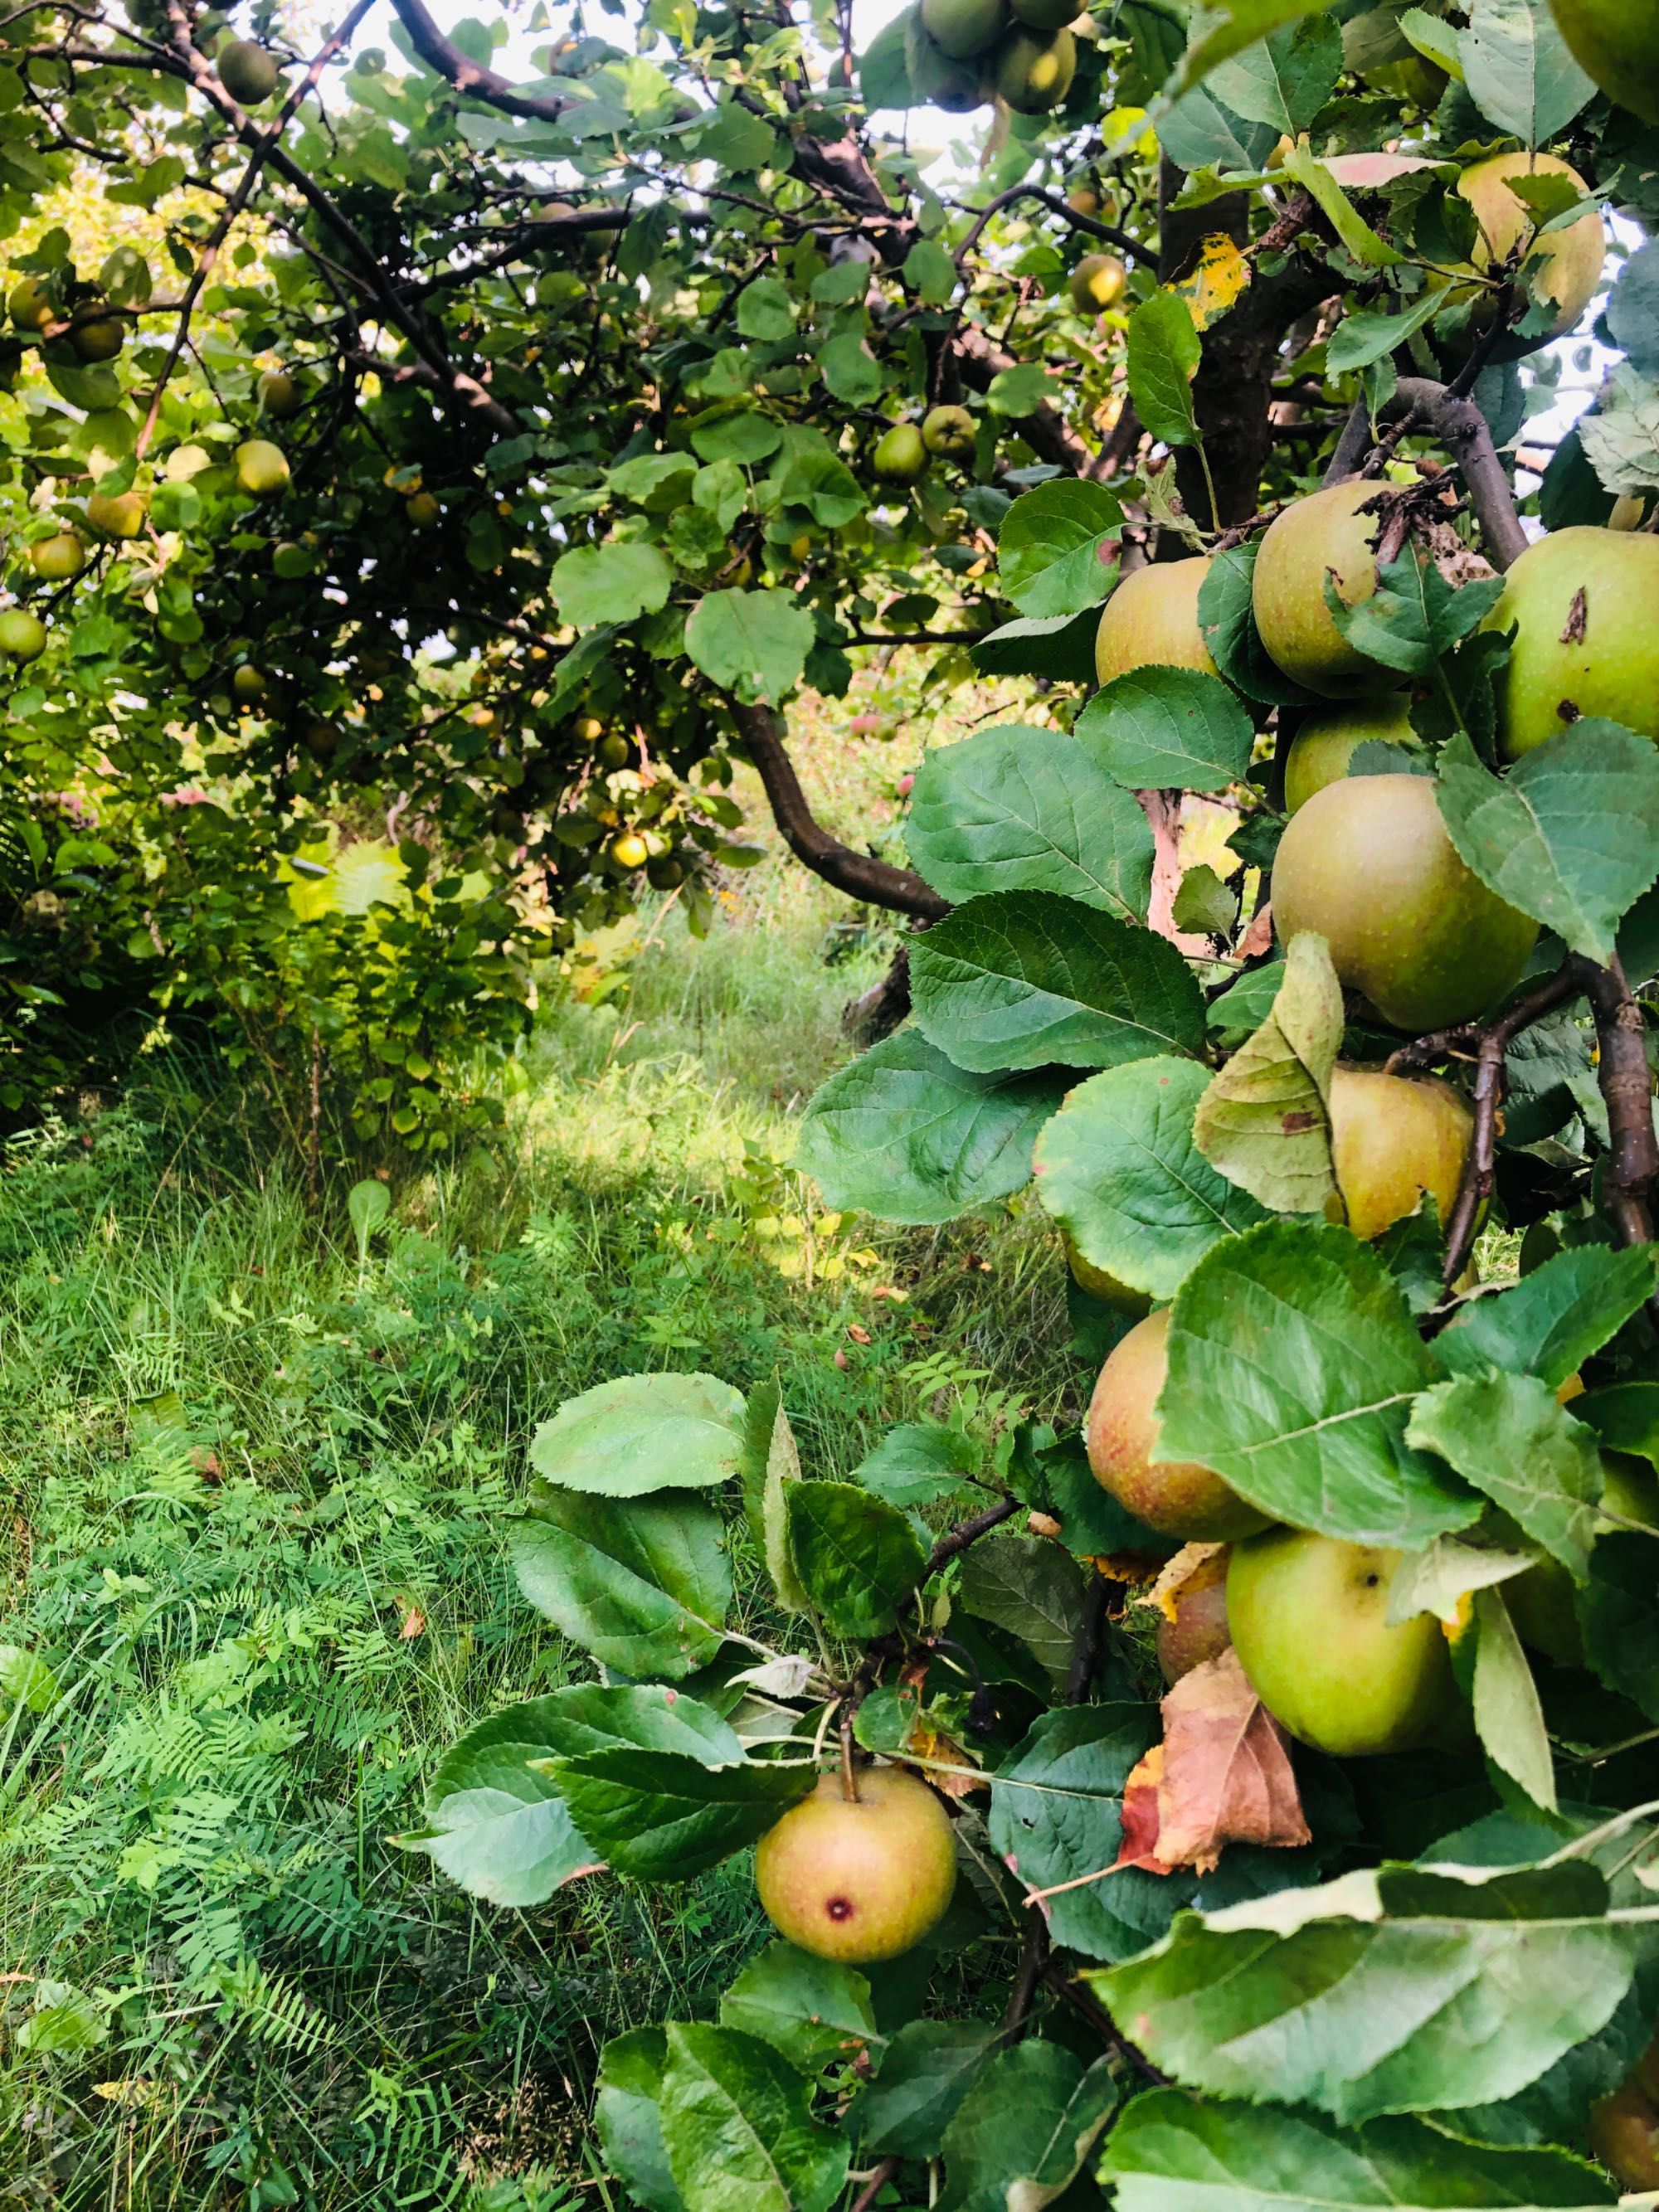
pixel 738 2124
pixel 494 1824
pixel 1518 69
pixel 627 2117
pixel 1017 809
pixel 753 643
pixel 1171 2153
pixel 1163 355
pixel 925 2072
pixel 1118 1170
pixel 666 1816
pixel 1030 1587
pixel 1618 1613
pixel 1395 1991
pixel 1265 1118
pixel 642 1584
pixel 1022 2131
pixel 1508 1437
pixel 1293 1364
pixel 917 1463
pixel 1056 551
pixel 813 2010
pixel 1226 616
pixel 1023 979
pixel 907 1136
pixel 1174 728
pixel 857 1557
pixel 1554 1318
pixel 642 1433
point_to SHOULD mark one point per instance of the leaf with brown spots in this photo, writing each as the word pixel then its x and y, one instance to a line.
pixel 1264 1121
pixel 1221 1776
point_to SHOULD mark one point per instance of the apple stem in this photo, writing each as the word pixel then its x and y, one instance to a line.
pixel 849 1781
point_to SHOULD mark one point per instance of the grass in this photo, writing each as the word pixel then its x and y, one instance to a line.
pixel 258 1495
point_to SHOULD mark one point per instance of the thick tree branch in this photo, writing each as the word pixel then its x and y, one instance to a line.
pixel 1049 436
pixel 858 874
pixel 1465 432
pixel 467 76
pixel 1627 1089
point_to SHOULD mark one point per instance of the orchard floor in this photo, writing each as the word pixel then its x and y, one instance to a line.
pixel 256 1502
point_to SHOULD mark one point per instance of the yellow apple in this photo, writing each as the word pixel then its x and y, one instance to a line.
pixel 858 1881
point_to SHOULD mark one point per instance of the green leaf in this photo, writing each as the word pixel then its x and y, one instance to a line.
pixel 643 1432
pixel 850 371
pixel 738 2127
pixel 1244 1005
pixel 492 1824
pixel 1508 1718
pixel 883 80
pixel 1168 728
pixel 666 1816
pixel 1518 70
pixel 1265 1118
pixel 737 140
pixel 368 1204
pixel 1618 1612
pixel 1293 1364
pixel 1507 1435
pixel 917 1464
pixel 857 1557
pixel 1392 1991
pixel 1163 353
pixel 1366 336
pixel 1226 615
pixel 1283 80
pixel 1019 390
pixel 1226 29
pixel 628 2116
pixel 1062 648
pixel 613 583
pixel 753 643
pixel 925 2072
pixel 765 310
pixel 644 1586
pixel 906 1135
pixel 1625 1416
pixel 1020 979
pixel 1554 1319
pixel 1570 836
pixel 1204 903
pixel 1032 1588
pixel 1024 2129
pixel 1355 232
pixel 1118 1169
pixel 782 1473
pixel 1057 550
pixel 815 2012
pixel 929 270
pixel 1019 809
pixel 1633 309
pixel 1171 2153
pixel 1069 1824
pixel 736 434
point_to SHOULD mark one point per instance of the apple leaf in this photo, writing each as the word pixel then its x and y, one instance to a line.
pixel 1226 616
pixel 1293 1364
pixel 1444 1574
pixel 611 583
pixel 753 643
pixel 1023 979
pixel 782 1471
pixel 1508 1718
pixel 1283 79
pixel 1392 1991
pixel 905 1134
pixel 642 1584
pixel 1518 69
pixel 1226 29
pixel 857 1558
pixel 1168 729
pixel 1570 836
pixel 814 2011
pixel 628 2116
pixel 666 1816
pixel 1022 2133
pixel 1624 1415
pixel 1029 1587
pixel 1170 2152
pixel 1555 1318
pixel 1057 549
pixel 1264 1120
pixel 642 1433
pixel 918 1463
pixel 1013 809
pixel 1224 1774
pixel 1618 1613
pixel 925 2072
pixel 1117 1168
pixel 1508 1436
pixel 1056 1816
pixel 738 2125
pixel 1163 355
pixel 493 1824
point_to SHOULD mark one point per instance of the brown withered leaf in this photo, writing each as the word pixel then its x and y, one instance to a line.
pixel 1227 1777
pixel 1189 1563
pixel 1141 1816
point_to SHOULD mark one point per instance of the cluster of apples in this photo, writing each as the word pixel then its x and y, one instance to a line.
pixel 903 452
pixel 1022 52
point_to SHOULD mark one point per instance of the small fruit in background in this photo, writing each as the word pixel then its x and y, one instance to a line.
pixel 664 874
pixel 321 738
pixel 1034 73
pixel 279 394
pixel 905 784
pixel 262 469
pixel 421 511
pixel 58 557
pixel 949 431
pixel 859 1880
pixel 590 730
pixel 900 456
pixel 1333 532
pixel 1572 259
pixel 117 514
pixel 614 750
pixel 247 71
pixel 247 683
pixel 963 28
pixel 629 851
pixel 1325 744
pixel 22 635
pixel 100 338
pixel 1098 281
pixel 29 306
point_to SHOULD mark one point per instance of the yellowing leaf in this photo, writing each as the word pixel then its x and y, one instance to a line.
pixel 1218 283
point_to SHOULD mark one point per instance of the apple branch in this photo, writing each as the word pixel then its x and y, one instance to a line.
pixel 955 1540
pixel 447 60
pixel 1628 1090
pixel 1463 430
pixel 860 875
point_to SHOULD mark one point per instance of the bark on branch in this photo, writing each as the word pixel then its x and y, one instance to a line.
pixel 858 874
pixel 1465 432
pixel 1045 431
pixel 447 60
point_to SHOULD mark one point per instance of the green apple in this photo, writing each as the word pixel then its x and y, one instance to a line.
pixel 1034 69
pixel 247 683
pixel 1325 744
pixel 1178 1498
pixel 1097 282
pixel 1309 1616
pixel 1047 15
pixel 1618 45
pixel 1393 1137
pixel 100 339
pixel 247 71
pixel 1368 866
pixel 1323 536
pixel 1199 1631
pixel 949 431
pixel 900 456
pixel 1541 1600
pixel 29 306
pixel 58 557
pixel 1583 603
pixel 22 635
pixel 859 1880
pixel 261 468
pixel 1151 621
pixel 963 28
pixel 423 511
pixel 117 514
pixel 279 394
pixel 1572 257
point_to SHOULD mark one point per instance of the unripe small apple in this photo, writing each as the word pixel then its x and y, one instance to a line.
pixel 949 431
pixel 1583 601
pixel 29 306
pixel 1309 1616
pixel 1367 865
pixel 1393 1137
pixel 1082 199
pixel 1033 70
pixel 1199 1631
pixel 900 456
pixel 1097 282
pixel 248 73
pixel 1178 1498
pixel 629 851
pixel 58 557
pixel 1325 744
pixel 1151 621
pixel 858 1882
pixel 321 738
pixel 664 874
pixel 963 28
pixel 589 729
pixel 100 339
pixel 279 394
pixel 1323 535
pixel 262 469
pixel 1618 46
pixel 1572 257
pixel 117 514
pixel 615 751
pixel 22 635
pixel 421 511
pixel 247 683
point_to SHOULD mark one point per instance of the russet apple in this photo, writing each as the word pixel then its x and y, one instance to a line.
pixel 1325 537
pixel 1572 257
pixel 859 1880
pixel 1199 1631
pixel 1178 1498
pixel 1151 621
pixel 1393 1137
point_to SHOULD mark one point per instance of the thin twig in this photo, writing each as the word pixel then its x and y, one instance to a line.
pixel 879 2178
pixel 955 1540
